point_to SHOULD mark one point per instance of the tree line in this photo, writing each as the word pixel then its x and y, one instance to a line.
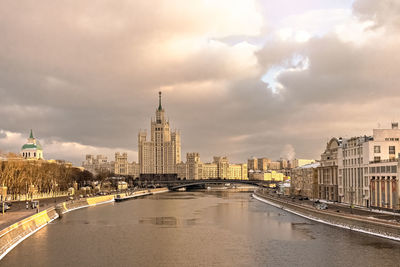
pixel 19 175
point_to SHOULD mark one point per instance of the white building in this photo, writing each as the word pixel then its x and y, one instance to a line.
pixel 354 157
pixel 32 149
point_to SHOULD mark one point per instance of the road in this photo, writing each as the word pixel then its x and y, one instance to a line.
pixel 342 208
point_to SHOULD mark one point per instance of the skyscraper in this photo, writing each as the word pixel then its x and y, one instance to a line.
pixel 162 152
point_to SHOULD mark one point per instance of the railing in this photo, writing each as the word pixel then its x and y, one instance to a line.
pixel 25 197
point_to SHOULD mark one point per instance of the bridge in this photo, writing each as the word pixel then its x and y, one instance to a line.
pixel 176 184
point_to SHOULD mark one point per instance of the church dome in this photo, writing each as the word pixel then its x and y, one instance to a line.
pixel 32 149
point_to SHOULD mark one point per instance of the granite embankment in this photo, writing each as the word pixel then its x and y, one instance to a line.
pixel 377 227
pixel 14 234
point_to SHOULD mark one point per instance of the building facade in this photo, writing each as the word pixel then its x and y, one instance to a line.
pixel 32 149
pixel 98 164
pixel 354 157
pixel 262 164
pixel 252 164
pixel 300 162
pixel 384 184
pixel 194 169
pixel 328 171
pixel 162 152
pixel 304 181
pixel 121 163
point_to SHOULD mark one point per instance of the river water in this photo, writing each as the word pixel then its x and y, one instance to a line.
pixel 197 229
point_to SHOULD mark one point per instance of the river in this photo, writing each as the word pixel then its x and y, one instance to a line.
pixel 216 228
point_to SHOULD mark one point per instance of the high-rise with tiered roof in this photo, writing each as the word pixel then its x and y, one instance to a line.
pixel 162 152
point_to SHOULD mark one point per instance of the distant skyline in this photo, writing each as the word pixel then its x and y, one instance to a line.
pixel 239 78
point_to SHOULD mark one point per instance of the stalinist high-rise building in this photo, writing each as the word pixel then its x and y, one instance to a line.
pixel 162 152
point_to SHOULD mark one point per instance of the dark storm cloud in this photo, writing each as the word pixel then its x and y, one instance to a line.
pixel 89 73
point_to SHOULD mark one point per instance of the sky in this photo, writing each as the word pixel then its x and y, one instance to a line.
pixel 239 78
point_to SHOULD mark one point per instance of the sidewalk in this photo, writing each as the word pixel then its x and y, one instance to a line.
pixel 18 210
pixel 9 218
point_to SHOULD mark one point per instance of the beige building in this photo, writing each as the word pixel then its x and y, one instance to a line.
pixel 162 152
pixel 181 171
pixel 328 171
pixel 194 166
pixel 263 163
pixel 384 184
pixel 134 169
pixel 284 164
pixel 304 181
pixel 121 164
pixel 123 167
pixel 252 164
pixel 98 164
pixel 274 165
pixel 354 157
pixel 300 162
pixel 220 168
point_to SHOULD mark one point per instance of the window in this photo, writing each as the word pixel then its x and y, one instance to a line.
pixel 377 149
pixel 393 169
pixel 392 150
pixel 377 159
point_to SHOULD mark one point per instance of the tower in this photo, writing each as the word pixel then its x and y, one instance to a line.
pixel 162 152
pixel 32 149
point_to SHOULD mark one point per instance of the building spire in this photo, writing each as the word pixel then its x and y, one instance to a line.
pixel 31 135
pixel 159 101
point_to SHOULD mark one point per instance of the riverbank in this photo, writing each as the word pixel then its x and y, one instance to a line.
pixel 364 224
pixel 14 234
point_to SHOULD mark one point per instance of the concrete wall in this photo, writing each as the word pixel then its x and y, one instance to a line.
pixel 16 233
pixel 353 222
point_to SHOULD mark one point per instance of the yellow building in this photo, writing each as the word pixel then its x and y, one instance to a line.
pixel 210 171
pixel 237 172
pixel 268 176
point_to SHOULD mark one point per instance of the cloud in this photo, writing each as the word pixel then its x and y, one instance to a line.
pixel 71 151
pixel 85 76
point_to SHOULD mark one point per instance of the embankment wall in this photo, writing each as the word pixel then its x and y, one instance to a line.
pixel 16 233
pixel 353 222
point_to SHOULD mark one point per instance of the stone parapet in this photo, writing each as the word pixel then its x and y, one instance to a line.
pixel 377 227
pixel 16 233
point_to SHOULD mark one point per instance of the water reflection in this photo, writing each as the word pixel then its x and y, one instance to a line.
pixel 169 221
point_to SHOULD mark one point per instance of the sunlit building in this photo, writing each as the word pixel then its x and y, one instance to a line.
pixel 32 149
pixel 328 171
pixel 354 159
pixel 162 152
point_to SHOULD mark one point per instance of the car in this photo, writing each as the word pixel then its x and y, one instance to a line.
pixel 321 206
pixel 6 206
pixel 306 198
